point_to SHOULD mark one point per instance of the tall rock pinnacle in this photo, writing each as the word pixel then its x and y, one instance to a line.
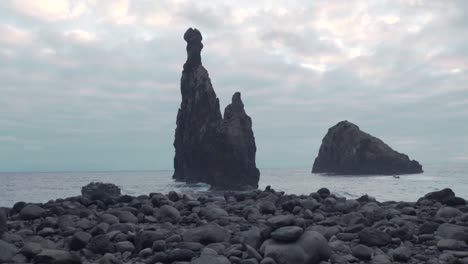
pixel 239 144
pixel 194 47
pixel 207 148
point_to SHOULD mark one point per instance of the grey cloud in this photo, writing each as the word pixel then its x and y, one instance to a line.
pixel 118 95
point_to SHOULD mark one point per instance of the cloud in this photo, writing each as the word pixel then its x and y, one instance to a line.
pixel 51 10
pixel 80 35
pixel 10 34
pixel 8 139
pixel 116 11
pixel 89 79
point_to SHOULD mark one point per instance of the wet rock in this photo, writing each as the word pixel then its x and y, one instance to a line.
pixel 47 232
pixel 109 219
pixel 310 248
pixel 233 227
pixel 169 214
pixel 267 207
pixel 31 212
pixel 79 240
pixel 280 220
pixel 326 231
pixel 210 259
pixel 252 237
pixel 7 251
pixel 145 239
pixel 339 247
pixel 213 213
pixel 348 150
pixel 100 244
pixel 210 233
pixel 124 246
pixel 373 237
pixel 146 252
pixel 100 191
pixel 362 252
pixel 451 244
pixel 310 204
pixel 454 201
pixel 287 234
pixel 428 228
pixel 160 245
pixel 381 259
pixel 109 259
pixel 174 196
pixel 100 229
pixel 402 254
pixel 451 231
pixel 181 254
pixel 448 212
pixel 53 256
pixel 3 222
pixel 323 192
pixel 125 216
pixel 124 228
pixel 268 260
pixel 440 196
pixel 17 207
pixel 31 249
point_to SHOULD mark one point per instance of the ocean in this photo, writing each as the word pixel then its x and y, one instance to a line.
pixel 44 186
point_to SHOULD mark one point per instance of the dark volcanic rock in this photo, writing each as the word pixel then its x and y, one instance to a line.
pixel 227 227
pixel 56 257
pixel 287 233
pixel 451 231
pixel 7 251
pixel 100 244
pixel 348 150
pixel 207 148
pixel 311 247
pixel 3 223
pixel 372 237
pixel 31 212
pixel 196 137
pixel 100 191
pixel 238 148
pixel 206 234
pixel 440 195
pixel 79 240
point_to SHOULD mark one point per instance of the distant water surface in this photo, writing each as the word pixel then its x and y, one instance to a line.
pixel 41 186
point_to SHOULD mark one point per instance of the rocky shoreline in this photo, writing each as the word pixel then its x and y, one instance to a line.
pixel 249 227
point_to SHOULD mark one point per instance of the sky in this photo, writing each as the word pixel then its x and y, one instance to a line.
pixel 95 84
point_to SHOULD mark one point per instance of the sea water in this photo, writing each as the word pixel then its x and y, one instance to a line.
pixel 44 186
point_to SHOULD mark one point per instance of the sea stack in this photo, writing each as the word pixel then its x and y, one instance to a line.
pixel 208 148
pixel 238 147
pixel 347 150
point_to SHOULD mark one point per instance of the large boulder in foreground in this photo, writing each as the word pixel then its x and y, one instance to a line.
pixel 208 148
pixel 310 248
pixel 346 149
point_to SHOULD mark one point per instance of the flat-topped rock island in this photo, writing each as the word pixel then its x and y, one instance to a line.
pixel 347 150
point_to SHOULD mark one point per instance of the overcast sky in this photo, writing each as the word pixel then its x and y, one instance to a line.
pixel 95 85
